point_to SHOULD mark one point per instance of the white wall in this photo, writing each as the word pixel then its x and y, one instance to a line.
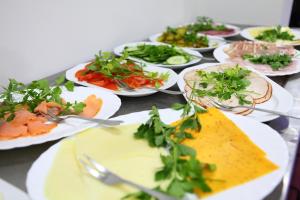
pixel 42 37
pixel 254 12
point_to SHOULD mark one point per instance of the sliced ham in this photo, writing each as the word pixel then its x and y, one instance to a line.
pixel 240 48
pixel 260 90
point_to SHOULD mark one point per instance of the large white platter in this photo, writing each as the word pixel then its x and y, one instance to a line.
pixel 10 192
pixel 119 51
pixel 262 135
pixel 222 57
pixel 111 104
pixel 246 33
pixel 70 75
pixel 214 42
pixel 281 99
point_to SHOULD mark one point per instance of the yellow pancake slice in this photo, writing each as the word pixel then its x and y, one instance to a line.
pixel 237 158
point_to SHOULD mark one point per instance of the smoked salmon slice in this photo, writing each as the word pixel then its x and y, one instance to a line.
pixel 92 106
pixel 44 106
pixel 10 131
pixel 38 127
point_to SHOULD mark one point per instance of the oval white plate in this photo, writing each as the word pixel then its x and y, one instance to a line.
pixel 214 42
pixel 8 192
pixel 70 75
pixel 281 99
pixel 262 135
pixel 111 104
pixel 222 57
pixel 245 33
pixel 119 50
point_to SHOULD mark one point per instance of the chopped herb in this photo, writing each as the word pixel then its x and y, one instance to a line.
pixel 181 169
pixel 272 35
pixel 275 61
pixel 224 85
pixel 18 94
pixel 206 24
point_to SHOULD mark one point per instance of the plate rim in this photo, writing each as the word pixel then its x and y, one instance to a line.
pixel 40 139
pixel 268 117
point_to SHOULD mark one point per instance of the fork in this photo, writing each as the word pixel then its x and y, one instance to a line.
pixel 107 177
pixel 230 108
pixel 51 116
pixel 128 88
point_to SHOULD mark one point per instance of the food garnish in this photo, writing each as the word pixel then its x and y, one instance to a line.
pixel 184 38
pixel 229 84
pixel 24 108
pixel 181 169
pixel 17 95
pixel 224 85
pixel 272 35
pixel 106 69
pixel 275 61
pixel 159 54
pixel 208 26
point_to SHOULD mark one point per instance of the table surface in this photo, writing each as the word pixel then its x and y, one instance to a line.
pixel 15 163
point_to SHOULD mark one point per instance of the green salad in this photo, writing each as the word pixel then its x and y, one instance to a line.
pixel 272 35
pixel 275 61
pixel 159 54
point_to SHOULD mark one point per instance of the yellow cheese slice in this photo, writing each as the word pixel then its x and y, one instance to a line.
pixel 116 149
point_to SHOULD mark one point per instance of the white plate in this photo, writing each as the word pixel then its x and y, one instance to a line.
pixel 214 42
pixel 119 50
pixel 262 135
pixel 222 57
pixel 111 104
pixel 281 99
pixel 235 28
pixel 246 34
pixel 70 75
pixel 9 192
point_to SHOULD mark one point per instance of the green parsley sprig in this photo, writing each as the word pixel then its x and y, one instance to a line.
pixel 272 35
pixel 206 24
pixel 224 85
pixel 181 169
pixel 17 94
pixel 275 61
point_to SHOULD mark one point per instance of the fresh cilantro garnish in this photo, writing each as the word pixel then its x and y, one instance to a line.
pixel 272 35
pixel 275 61
pixel 224 85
